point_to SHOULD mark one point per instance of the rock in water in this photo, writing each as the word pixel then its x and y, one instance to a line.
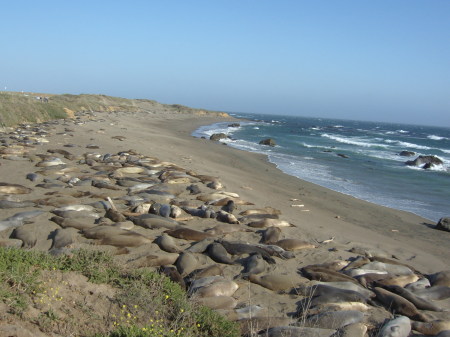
pixel 268 141
pixel 444 224
pixel 425 162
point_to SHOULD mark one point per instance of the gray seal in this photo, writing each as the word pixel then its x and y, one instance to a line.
pixel 218 253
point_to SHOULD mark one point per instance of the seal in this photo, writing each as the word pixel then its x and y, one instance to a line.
pixel 5 204
pixel 431 328
pixel 326 275
pixel 27 234
pixel 340 285
pixel 264 223
pixel 324 294
pixel 167 244
pixel 153 221
pixel 188 234
pixel 440 279
pixel 275 282
pixel 213 270
pixel 218 253
pixel 271 235
pixel 238 248
pixel 63 237
pixel 173 274
pixel 419 284
pixel 254 264
pixel 226 217
pixel 287 330
pixel 294 244
pixel 420 303
pixel 338 306
pixel 153 260
pixel 398 304
pixel 335 319
pixel 353 330
pixel 399 327
pixel 357 262
pixel 186 263
pixel 435 293
pixel 80 223
pixel 265 210
pixel 219 288
pixel 401 280
pixel 7 188
pixel 224 228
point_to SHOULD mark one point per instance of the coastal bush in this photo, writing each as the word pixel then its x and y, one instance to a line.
pixel 145 303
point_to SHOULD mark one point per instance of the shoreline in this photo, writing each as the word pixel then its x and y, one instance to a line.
pixel 336 227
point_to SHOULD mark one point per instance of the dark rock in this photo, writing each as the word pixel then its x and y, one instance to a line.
pixel 425 161
pixel 342 155
pixel 268 141
pixel 407 153
pixel 234 125
pixel 218 136
pixel 443 224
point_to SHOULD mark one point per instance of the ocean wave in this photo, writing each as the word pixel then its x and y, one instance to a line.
pixel 434 137
pixel 353 141
pixel 407 144
pixel 402 131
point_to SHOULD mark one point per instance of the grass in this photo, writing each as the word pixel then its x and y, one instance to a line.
pixel 16 108
pixel 145 303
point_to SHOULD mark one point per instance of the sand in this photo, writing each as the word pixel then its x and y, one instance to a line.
pixel 344 221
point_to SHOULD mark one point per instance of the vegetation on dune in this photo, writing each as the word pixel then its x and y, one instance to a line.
pixel 18 108
pixel 143 304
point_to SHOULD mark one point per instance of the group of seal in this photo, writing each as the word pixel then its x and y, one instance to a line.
pixel 156 214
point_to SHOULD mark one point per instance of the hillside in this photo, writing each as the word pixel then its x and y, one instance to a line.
pixel 17 107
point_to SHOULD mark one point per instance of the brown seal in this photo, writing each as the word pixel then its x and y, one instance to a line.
pixel 398 304
pixel 275 282
pixel 431 328
pixel 14 189
pixel 188 234
pixel 294 244
pixel 271 235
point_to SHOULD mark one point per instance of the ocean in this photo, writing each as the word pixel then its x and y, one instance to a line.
pixel 357 158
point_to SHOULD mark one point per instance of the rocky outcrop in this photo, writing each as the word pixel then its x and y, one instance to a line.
pixel 444 224
pixel 234 125
pixel 268 141
pixel 425 162
pixel 218 136
pixel 407 153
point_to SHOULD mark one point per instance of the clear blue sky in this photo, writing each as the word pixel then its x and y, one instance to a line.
pixel 383 60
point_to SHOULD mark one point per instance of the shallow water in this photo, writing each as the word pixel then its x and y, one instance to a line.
pixel 308 148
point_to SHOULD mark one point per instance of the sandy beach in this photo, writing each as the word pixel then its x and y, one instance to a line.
pixel 334 222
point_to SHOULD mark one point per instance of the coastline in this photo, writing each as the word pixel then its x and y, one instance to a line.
pixel 334 222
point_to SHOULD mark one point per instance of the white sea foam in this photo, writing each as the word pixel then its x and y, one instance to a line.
pixel 353 141
pixel 402 131
pixel 434 137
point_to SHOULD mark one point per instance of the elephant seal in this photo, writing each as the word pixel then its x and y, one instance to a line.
pixel 440 279
pixel 173 274
pixel 420 303
pixel 419 284
pixel 27 234
pixel 226 228
pixel 264 223
pixel 7 188
pixel 326 275
pixel 265 210
pixel 271 235
pixel 435 293
pixel 395 269
pixel 188 234
pixel 431 328
pixel 398 304
pixel 63 237
pixel 167 244
pixel 294 244
pixel 218 302
pixel 335 319
pixel 399 327
pixel 218 253
pixel 186 263
pixel 226 217
pixel 357 262
pixel 296 331
pixel 339 285
pixel 153 221
pixel 5 204
pixel 238 248
pixel 323 294
pixel 153 260
pixel 80 223
pixel 401 280
pixel 213 270
pixel 275 282
pixel 229 207
pixel 352 330
pixel 336 306
pixel 219 288
pixel 254 264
